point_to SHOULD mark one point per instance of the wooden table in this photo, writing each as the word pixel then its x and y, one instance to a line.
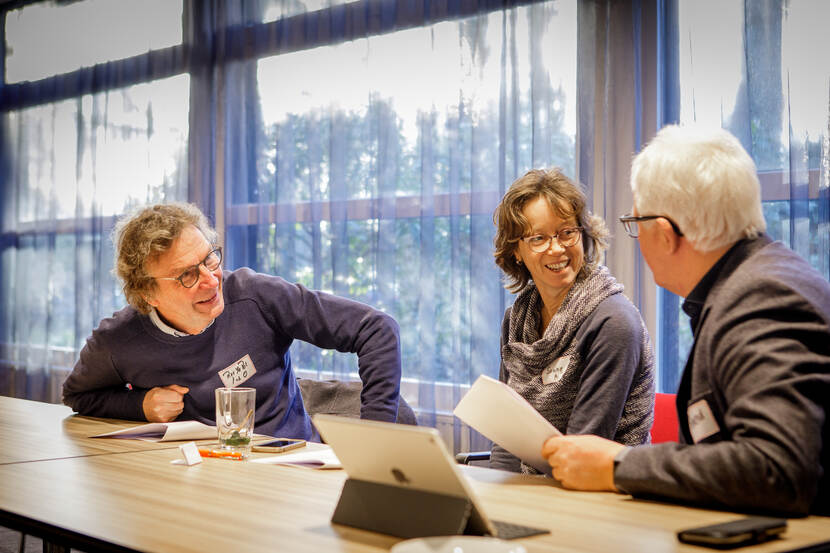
pixel 36 431
pixel 140 501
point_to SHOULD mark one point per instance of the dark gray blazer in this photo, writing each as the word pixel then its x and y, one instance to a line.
pixel 761 360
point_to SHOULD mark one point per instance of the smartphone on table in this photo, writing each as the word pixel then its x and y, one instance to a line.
pixel 736 533
pixel 278 446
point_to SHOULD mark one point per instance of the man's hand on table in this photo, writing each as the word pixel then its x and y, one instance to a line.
pixel 582 462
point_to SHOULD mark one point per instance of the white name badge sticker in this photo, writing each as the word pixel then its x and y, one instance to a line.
pixel 555 371
pixel 702 423
pixel 237 373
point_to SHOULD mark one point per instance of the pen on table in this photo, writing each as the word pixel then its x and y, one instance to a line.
pixel 221 454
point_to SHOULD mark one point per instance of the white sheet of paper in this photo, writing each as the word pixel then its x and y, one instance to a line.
pixel 317 458
pixel 164 432
pixel 496 411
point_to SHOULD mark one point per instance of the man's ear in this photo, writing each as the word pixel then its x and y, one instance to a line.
pixel 152 301
pixel 668 238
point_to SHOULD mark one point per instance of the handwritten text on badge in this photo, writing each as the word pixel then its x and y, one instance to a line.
pixel 702 423
pixel 237 373
pixel 556 370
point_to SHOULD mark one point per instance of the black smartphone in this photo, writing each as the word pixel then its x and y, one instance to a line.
pixel 278 445
pixel 736 533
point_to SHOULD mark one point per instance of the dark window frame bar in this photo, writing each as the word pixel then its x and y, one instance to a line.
pixel 299 32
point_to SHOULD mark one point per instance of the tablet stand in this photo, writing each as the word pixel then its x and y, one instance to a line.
pixel 402 512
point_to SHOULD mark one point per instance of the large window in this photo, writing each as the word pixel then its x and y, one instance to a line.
pixel 759 70
pixel 79 163
pixel 76 154
pixel 377 177
pixel 360 147
pixel 355 147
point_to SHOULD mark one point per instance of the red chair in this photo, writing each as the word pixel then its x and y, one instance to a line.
pixel 665 427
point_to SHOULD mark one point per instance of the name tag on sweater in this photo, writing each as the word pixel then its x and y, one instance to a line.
pixel 555 371
pixel 237 373
pixel 702 423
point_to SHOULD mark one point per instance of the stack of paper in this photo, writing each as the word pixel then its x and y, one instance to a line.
pixel 317 458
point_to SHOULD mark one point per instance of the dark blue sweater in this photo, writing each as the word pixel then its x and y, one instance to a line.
pixel 127 355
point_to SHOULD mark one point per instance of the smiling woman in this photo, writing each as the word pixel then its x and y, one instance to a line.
pixel 547 197
pixel 572 345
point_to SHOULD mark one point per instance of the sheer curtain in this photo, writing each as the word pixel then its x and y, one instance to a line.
pixel 375 175
pixel 72 166
pixel 79 146
pixel 759 70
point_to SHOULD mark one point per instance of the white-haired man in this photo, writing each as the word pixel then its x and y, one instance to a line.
pixel 754 399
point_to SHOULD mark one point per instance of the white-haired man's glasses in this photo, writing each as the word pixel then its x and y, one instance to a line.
pixel 630 223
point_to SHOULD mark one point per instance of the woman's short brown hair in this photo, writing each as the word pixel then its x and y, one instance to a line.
pixel 145 234
pixel 567 200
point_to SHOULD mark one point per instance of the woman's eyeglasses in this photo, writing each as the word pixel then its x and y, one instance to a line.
pixel 566 237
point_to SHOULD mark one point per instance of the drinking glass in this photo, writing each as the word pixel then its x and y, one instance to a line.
pixel 235 418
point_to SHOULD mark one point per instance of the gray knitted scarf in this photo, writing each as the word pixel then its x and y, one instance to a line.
pixel 541 369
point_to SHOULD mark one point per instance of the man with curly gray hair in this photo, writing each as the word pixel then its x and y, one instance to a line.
pixel 147 234
pixel 754 400
pixel 191 327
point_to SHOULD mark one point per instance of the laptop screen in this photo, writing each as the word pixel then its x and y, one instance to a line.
pixel 399 455
pixel 415 458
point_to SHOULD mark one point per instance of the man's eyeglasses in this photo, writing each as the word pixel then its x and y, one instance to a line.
pixel 566 237
pixel 630 223
pixel 191 275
